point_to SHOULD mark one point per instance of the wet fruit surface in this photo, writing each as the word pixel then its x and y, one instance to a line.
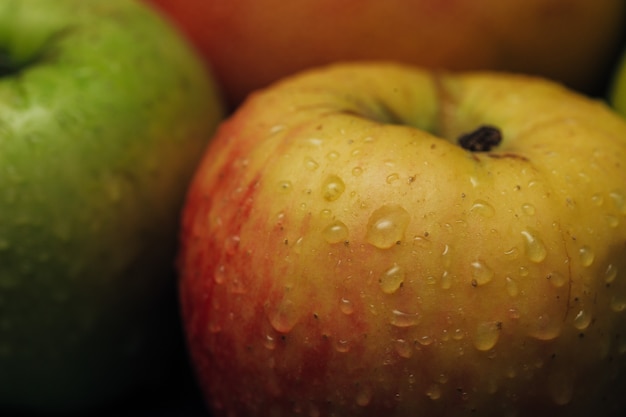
pixel 337 262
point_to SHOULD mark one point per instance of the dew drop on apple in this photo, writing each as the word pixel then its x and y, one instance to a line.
pixel 285 186
pixel 332 188
pixel 425 340
pixel 386 226
pixel 392 279
pixel 610 274
pixel 618 303
pixel 545 327
pixel 511 287
pixel 311 164
pixel 357 171
pixel 269 341
pixel 557 279
pixel 434 392
pixel 283 318
pixel 405 319
pixel 582 320
pixel 335 232
pixel 481 273
pixel 486 336
pixel 529 209
pixel 483 208
pixel 587 256
pixel 391 178
pixel 619 201
pixel 597 200
pixel 535 248
pixel 346 306
pixel 403 348
pixel 342 345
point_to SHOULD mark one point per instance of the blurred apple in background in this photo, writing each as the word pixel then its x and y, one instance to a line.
pixel 379 240
pixel 104 113
pixel 251 43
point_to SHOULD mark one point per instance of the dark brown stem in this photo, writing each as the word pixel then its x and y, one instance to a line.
pixel 483 139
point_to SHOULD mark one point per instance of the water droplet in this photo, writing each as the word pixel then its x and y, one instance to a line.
pixel 332 155
pixel 545 328
pixel 335 232
pixel 434 392
pixel 220 274
pixel 582 320
pixel 269 341
pixel 586 256
pixel 311 164
pixel 529 209
pixel 425 340
pixel 404 319
pixel 446 280
pixel 618 303
pixel 487 334
pixel 285 186
pixel 332 188
pixel 342 346
pixel 481 273
pixel 511 287
pixel 364 397
pixel 277 129
pixel 597 199
pixel 512 253
pixel 357 171
pixel 386 226
pixel 619 201
pixel 392 279
pixel 557 279
pixel 346 306
pixel 535 249
pixel 392 178
pixel 610 274
pixel 403 348
pixel 483 208
pixel 284 316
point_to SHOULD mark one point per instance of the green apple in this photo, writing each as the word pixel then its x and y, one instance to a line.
pixel 104 113
pixel 617 88
pixel 378 240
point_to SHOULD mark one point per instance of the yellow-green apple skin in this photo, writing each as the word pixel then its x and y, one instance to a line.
pixel 251 43
pixel 617 87
pixel 104 113
pixel 343 255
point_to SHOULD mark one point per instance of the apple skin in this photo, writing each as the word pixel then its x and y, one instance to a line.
pixel 251 43
pixel 342 255
pixel 104 112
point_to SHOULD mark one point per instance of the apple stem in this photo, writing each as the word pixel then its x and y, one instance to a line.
pixel 483 139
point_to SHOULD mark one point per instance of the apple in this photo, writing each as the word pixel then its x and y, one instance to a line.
pixel 370 239
pixel 617 86
pixel 104 112
pixel 251 43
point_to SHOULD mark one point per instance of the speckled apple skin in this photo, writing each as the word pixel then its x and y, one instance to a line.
pixel 342 255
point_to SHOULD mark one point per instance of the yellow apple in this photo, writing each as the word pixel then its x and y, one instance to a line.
pixel 374 239
pixel 251 43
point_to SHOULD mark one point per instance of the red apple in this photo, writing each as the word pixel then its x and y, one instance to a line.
pixel 343 255
pixel 251 43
